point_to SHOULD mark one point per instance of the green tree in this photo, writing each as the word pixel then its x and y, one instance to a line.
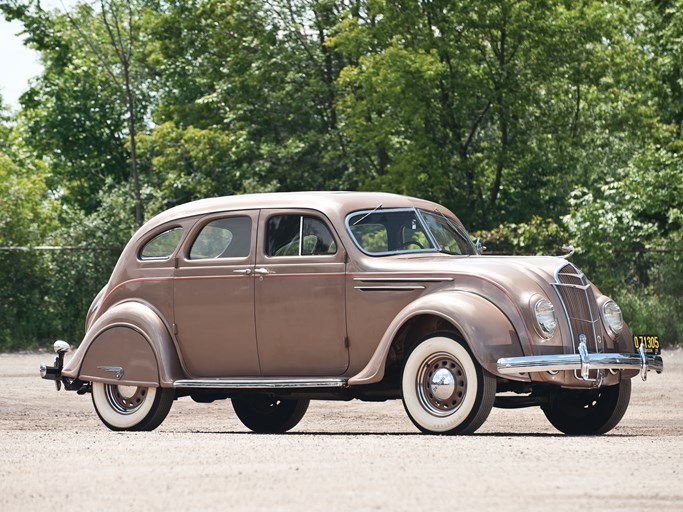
pixel 538 122
pixel 262 73
pixel 191 163
pixel 27 216
pixel 113 38
pixel 82 113
pixel 629 236
pixel 489 107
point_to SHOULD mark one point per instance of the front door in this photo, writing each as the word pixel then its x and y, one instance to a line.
pixel 214 297
pixel 300 296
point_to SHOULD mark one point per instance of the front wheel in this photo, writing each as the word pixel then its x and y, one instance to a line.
pixel 591 412
pixel 131 407
pixel 445 391
pixel 265 415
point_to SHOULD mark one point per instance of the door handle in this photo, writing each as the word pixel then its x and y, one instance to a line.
pixel 262 271
pixel 246 271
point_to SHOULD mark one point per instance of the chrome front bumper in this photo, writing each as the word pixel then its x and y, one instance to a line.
pixel 583 362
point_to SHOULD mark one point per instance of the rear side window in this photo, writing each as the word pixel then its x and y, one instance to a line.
pixel 298 235
pixel 223 238
pixel 162 246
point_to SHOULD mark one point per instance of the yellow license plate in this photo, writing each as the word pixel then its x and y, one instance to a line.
pixel 651 342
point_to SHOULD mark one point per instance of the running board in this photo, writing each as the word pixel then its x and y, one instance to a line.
pixel 262 383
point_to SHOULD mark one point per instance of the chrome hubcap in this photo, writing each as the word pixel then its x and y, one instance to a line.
pixel 125 399
pixel 441 384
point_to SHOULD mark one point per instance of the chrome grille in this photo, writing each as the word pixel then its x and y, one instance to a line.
pixel 580 307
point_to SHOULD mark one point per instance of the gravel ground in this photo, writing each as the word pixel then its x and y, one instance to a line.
pixel 55 454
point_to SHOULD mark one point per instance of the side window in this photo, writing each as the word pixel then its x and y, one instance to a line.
pixel 223 238
pixel 162 246
pixel 298 235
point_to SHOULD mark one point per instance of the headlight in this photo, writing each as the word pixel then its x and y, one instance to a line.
pixel 613 318
pixel 545 317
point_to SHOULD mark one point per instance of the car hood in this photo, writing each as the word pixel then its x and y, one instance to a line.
pixel 499 268
pixel 519 275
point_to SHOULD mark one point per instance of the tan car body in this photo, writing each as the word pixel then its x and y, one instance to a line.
pixel 348 318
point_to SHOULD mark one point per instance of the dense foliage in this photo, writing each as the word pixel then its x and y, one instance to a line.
pixel 542 123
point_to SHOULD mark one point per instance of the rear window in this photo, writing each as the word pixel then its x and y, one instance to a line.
pixel 162 246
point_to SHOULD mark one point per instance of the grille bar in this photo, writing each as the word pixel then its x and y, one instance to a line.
pixel 580 308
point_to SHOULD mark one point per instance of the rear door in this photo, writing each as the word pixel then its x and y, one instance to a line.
pixel 214 297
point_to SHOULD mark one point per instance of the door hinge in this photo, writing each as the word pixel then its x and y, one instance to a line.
pixel 175 328
pixel 346 342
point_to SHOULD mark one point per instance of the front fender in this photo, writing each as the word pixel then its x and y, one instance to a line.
pixel 130 336
pixel 485 328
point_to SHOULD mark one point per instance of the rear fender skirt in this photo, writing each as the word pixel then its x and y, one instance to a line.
pixel 134 334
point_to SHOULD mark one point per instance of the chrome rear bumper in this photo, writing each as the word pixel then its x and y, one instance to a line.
pixel 583 362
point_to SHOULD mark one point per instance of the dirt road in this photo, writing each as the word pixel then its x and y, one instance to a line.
pixel 56 455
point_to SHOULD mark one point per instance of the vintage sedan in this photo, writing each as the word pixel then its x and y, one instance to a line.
pixel 274 300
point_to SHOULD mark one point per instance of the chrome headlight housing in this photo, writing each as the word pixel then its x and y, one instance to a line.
pixel 546 319
pixel 614 320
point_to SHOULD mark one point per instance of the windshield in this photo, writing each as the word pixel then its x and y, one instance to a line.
pixel 384 232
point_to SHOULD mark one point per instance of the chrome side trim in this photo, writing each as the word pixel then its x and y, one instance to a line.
pixel 261 383
pixel 405 288
pixel 116 370
pixel 582 362
pixel 403 279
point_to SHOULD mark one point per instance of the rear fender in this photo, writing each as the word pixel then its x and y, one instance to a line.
pixel 128 345
pixel 485 328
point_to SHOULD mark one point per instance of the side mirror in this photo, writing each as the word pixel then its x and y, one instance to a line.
pixel 479 246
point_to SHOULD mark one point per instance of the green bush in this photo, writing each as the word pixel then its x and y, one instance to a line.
pixel 648 312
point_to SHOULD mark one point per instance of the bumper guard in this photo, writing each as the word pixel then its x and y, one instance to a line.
pixel 54 373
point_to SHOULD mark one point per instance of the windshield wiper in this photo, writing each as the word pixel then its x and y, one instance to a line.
pixel 368 214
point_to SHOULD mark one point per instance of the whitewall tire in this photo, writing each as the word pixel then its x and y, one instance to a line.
pixel 445 391
pixel 130 407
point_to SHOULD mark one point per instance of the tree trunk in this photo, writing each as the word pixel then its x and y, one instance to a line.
pixel 130 97
pixel 502 118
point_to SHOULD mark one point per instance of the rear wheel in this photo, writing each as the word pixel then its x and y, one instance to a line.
pixel 591 412
pixel 266 415
pixel 131 407
pixel 445 391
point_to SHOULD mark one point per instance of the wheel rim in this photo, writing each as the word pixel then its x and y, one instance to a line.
pixel 125 399
pixel 265 406
pixel 441 384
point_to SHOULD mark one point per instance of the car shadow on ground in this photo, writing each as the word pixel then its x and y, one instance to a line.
pixel 546 435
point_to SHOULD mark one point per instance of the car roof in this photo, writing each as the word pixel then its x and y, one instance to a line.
pixel 332 204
